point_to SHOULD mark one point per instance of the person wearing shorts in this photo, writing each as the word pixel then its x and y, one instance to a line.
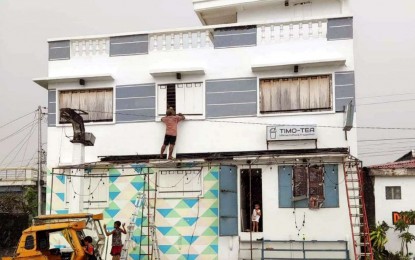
pixel 256 215
pixel 116 239
pixel 171 121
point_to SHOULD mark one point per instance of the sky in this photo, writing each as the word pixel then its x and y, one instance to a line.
pixel 384 41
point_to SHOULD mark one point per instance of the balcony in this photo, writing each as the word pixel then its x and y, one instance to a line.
pixel 19 177
pixel 206 37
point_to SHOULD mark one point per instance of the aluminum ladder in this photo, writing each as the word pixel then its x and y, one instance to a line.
pixel 145 208
pixel 357 209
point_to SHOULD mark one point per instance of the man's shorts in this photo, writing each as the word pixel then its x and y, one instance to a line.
pixel 169 139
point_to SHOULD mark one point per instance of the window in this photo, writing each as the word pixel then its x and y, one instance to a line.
pixel 95 191
pixel 311 93
pixel 393 192
pixel 29 243
pixel 185 98
pixel 179 183
pixel 308 186
pixel 98 103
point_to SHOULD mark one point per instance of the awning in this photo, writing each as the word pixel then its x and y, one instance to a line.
pixel 174 71
pixel 301 64
pixel 44 82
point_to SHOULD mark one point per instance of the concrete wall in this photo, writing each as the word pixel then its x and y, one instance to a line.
pixel 198 134
pixel 384 207
pixel 277 11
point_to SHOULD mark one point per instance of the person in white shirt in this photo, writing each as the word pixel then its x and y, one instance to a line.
pixel 256 215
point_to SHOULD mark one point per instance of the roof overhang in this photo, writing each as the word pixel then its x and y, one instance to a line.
pixel 224 11
pixel 302 64
pixel 398 172
pixel 44 82
pixel 174 71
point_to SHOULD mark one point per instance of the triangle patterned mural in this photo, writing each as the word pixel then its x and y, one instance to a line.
pixel 187 228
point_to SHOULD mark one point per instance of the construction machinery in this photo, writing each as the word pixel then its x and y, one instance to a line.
pixel 60 237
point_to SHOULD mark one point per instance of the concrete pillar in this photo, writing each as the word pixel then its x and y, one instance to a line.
pixel 76 201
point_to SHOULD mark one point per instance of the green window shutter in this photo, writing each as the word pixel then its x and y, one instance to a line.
pixel 331 183
pixel 284 186
pixel 228 201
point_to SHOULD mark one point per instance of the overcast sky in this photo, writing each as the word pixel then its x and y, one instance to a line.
pixel 384 60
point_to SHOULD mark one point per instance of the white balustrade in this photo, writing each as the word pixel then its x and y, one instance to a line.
pixel 89 47
pixel 279 32
pixel 200 38
pixel 168 41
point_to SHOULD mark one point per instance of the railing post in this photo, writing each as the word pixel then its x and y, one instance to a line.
pixel 262 250
pixel 303 242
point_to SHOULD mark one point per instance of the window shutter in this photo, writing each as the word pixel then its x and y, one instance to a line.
pixel 331 189
pixel 162 99
pixel 228 201
pixel 180 98
pixel 198 103
pixel 284 186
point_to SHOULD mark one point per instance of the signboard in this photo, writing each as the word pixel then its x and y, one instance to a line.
pixel 291 132
pixel 396 216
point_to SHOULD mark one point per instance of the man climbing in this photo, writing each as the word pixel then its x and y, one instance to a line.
pixel 171 121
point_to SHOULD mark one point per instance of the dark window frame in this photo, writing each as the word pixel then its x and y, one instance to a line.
pixel 29 243
pixel 391 192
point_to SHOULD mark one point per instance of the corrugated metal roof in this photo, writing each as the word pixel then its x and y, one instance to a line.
pixel 410 164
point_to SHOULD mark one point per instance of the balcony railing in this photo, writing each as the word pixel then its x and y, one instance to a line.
pixel 280 32
pixel 18 174
pixel 206 37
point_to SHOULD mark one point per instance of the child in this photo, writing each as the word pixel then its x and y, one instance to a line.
pixel 89 249
pixel 256 215
pixel 116 239
pixel 171 121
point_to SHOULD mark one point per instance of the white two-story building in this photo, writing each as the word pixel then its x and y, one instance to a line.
pixel 264 87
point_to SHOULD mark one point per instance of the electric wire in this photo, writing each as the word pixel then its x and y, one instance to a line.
pixel 385 102
pixel 390 95
pixel 14 120
pixel 25 142
pixel 18 131
pixel 259 123
pixel 18 144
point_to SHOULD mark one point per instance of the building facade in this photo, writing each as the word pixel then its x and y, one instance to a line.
pixel 393 193
pixel 265 87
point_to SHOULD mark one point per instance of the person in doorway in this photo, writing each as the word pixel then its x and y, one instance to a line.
pixel 116 239
pixel 89 249
pixel 256 215
pixel 171 121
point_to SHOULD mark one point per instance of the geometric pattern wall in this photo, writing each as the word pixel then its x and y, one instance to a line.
pixel 187 228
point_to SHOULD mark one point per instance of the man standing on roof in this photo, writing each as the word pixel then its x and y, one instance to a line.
pixel 171 121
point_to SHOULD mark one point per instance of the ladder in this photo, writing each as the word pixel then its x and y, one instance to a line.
pixel 145 207
pixel 357 209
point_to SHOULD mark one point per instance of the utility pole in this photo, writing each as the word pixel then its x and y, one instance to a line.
pixel 39 162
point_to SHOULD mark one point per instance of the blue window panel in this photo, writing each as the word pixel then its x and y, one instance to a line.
pixel 285 193
pixel 59 50
pixel 331 186
pixel 340 28
pixel 51 119
pixel 129 45
pixel 345 89
pixel 228 201
pixel 235 37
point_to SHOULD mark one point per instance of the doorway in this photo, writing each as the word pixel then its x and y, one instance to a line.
pixel 248 200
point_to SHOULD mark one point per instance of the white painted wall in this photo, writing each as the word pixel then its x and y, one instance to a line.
pixel 384 207
pixel 279 223
pixel 201 135
pixel 271 11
